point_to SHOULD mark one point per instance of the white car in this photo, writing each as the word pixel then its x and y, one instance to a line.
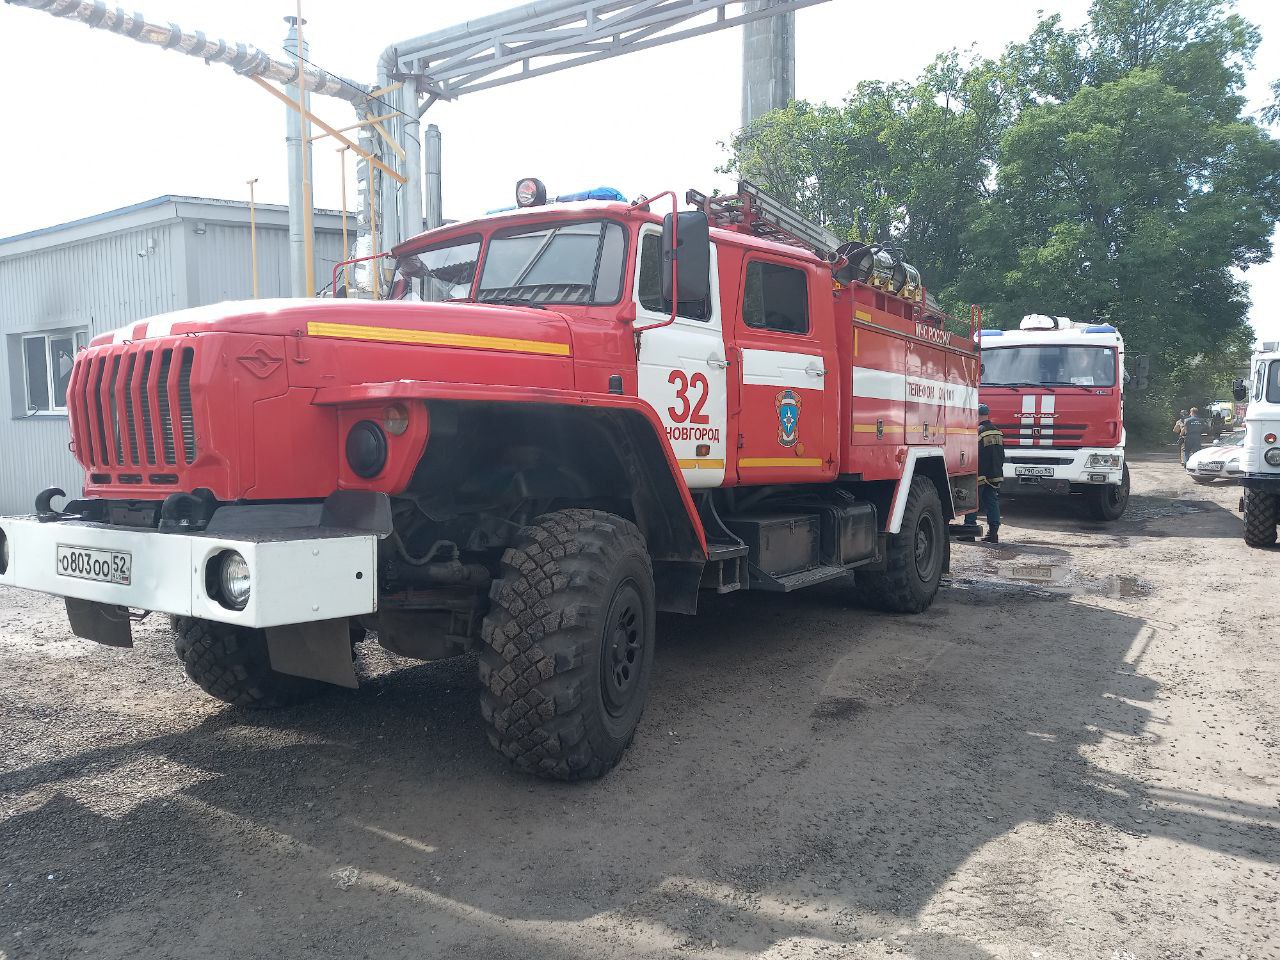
pixel 1219 462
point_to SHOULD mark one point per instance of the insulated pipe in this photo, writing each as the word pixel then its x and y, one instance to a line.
pixel 244 58
pixel 411 192
pixel 296 140
pixel 434 211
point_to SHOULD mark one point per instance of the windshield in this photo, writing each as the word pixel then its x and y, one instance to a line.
pixel 444 272
pixel 1233 439
pixel 1049 365
pixel 555 263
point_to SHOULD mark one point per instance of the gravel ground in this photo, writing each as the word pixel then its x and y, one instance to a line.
pixel 1073 754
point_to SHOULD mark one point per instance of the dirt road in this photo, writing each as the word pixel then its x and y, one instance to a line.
pixel 1073 754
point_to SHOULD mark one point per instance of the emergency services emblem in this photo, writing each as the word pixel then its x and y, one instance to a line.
pixel 788 405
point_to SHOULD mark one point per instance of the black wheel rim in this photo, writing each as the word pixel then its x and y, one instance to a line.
pixel 622 649
pixel 927 553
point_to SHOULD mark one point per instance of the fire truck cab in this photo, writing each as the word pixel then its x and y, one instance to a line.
pixel 1055 388
pixel 555 422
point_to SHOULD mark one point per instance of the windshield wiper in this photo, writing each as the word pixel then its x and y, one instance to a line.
pixel 1079 386
pixel 510 302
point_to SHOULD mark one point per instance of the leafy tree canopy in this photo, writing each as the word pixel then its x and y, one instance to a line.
pixel 1102 173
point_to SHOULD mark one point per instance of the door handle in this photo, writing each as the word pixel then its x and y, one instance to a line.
pixel 814 370
pixel 714 361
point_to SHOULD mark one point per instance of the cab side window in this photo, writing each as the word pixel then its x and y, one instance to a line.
pixel 649 283
pixel 776 298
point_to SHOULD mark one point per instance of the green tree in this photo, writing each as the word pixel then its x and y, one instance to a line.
pixel 904 164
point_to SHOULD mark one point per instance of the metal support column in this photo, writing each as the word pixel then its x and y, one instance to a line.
pixel 768 62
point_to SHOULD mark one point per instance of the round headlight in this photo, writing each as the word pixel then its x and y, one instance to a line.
pixel 233 579
pixel 366 449
pixel 531 192
pixel 1272 456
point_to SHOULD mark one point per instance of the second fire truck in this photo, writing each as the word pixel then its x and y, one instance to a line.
pixel 1055 388
pixel 559 421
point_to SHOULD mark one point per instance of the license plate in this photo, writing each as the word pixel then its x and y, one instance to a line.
pixel 1213 465
pixel 1033 471
pixel 91 563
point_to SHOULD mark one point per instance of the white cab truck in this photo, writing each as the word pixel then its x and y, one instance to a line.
pixel 1260 459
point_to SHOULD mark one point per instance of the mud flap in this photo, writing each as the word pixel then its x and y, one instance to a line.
pixel 102 623
pixel 320 650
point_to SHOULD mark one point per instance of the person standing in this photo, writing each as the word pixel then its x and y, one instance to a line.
pixel 1193 429
pixel 1177 432
pixel 990 473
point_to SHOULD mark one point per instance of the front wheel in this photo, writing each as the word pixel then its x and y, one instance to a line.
pixel 231 663
pixel 1260 516
pixel 915 558
pixel 1107 502
pixel 568 645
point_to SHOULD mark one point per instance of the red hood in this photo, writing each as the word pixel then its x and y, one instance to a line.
pixel 1067 417
pixel 484 326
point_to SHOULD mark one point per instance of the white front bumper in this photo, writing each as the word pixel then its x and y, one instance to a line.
pixel 1069 465
pixel 313 576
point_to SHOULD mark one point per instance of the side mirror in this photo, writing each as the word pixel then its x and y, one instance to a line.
pixel 1141 371
pixel 686 242
pixel 1239 391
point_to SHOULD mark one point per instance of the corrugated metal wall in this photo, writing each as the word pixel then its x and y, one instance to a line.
pixel 220 261
pixel 102 284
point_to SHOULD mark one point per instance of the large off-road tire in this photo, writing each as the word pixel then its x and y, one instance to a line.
pixel 231 664
pixel 1260 516
pixel 1107 501
pixel 568 644
pixel 915 558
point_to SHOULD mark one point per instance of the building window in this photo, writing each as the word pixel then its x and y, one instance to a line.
pixel 776 298
pixel 46 364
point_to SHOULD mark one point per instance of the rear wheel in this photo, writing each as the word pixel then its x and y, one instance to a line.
pixel 915 558
pixel 1107 502
pixel 231 663
pixel 568 645
pixel 1260 516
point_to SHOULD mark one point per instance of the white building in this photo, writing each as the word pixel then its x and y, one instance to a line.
pixel 62 285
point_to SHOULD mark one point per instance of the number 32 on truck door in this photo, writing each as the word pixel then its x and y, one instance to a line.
pixel 682 369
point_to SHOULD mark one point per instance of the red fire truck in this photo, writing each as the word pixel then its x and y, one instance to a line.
pixel 560 420
pixel 1055 388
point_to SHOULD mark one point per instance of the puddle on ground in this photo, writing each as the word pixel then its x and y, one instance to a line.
pixel 1060 578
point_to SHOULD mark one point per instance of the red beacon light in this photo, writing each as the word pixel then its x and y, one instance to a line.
pixel 531 192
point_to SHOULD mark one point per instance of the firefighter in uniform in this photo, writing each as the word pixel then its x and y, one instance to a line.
pixel 990 473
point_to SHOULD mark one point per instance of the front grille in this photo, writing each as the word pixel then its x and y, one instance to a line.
pixel 1042 461
pixel 123 402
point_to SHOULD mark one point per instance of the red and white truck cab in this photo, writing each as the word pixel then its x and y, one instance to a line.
pixel 1055 388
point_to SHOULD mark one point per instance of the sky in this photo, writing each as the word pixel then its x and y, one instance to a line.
pixel 106 122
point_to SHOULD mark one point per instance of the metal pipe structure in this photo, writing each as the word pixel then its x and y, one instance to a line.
pixel 299 150
pixel 243 58
pixel 434 210
pixel 526 41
